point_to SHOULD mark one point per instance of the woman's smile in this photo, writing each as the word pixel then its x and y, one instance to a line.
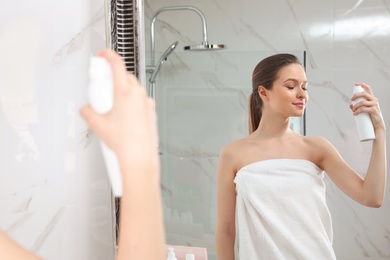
pixel 300 105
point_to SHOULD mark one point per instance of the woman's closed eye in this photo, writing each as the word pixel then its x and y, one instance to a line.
pixel 291 86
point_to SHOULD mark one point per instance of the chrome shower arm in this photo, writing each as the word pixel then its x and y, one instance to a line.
pixel 175 8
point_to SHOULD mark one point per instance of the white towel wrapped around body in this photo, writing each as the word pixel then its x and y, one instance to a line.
pixel 281 211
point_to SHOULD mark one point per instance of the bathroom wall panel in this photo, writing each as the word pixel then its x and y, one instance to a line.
pixel 54 194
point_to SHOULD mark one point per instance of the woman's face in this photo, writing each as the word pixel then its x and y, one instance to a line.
pixel 289 92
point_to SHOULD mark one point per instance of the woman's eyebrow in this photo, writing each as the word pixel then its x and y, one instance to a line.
pixel 295 80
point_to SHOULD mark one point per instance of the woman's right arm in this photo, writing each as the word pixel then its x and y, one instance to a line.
pixel 130 130
pixel 226 205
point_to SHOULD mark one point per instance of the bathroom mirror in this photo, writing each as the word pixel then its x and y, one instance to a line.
pixel 201 102
pixel 193 101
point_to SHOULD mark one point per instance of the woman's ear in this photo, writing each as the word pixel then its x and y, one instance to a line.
pixel 263 93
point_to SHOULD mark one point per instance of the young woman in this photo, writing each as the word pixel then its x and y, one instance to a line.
pixel 270 190
pixel 129 129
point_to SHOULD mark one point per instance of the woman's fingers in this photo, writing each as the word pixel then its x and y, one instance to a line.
pixel 130 126
pixel 370 105
pixel 118 69
pixel 366 87
pixel 364 106
pixel 93 119
pixel 366 94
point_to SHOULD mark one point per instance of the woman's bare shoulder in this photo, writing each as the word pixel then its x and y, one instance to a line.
pixel 231 155
pixel 232 152
pixel 235 146
pixel 320 147
pixel 317 141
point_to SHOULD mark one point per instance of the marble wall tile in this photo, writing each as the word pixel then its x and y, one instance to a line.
pixel 54 194
pixel 345 42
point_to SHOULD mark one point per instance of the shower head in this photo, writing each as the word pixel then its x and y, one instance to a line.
pixel 204 47
pixel 170 50
pixel 163 58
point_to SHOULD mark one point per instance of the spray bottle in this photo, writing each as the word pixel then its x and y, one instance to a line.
pixel 101 97
pixel 363 120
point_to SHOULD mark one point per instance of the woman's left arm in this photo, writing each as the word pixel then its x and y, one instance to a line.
pixel 369 191
pixel 375 181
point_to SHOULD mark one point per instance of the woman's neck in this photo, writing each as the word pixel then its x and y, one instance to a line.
pixel 273 127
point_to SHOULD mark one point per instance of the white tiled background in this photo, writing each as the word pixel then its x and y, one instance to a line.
pixel 54 195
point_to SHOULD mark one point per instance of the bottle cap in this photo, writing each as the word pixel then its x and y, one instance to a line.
pixel 99 67
pixel 357 89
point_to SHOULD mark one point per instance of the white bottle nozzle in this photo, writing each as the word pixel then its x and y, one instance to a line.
pixel 100 91
pixel 363 120
pixel 98 68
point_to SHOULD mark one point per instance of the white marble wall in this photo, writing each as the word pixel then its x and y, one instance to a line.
pixel 346 42
pixel 54 194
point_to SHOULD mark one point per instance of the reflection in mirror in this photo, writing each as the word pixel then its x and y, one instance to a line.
pixel 201 102
pixel 202 105
pixel 243 28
